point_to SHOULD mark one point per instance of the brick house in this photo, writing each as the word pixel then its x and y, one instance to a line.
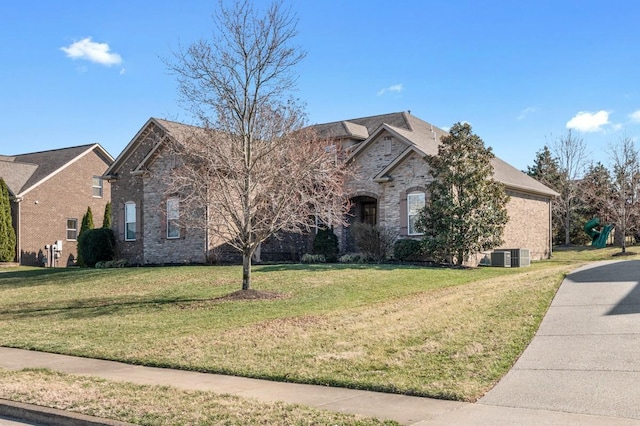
pixel 50 192
pixel 388 152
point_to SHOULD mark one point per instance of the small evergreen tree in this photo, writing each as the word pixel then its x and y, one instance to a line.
pixel 106 220
pixel 97 245
pixel 326 243
pixel 7 233
pixel 87 223
pixel 466 212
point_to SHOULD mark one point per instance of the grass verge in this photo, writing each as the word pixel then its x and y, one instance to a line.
pixel 158 405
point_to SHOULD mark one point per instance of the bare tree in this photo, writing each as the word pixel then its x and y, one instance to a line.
pixel 625 207
pixel 571 154
pixel 251 169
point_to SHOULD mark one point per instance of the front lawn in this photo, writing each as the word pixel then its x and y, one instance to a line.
pixel 445 333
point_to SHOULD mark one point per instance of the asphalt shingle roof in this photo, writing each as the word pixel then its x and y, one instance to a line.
pixel 23 171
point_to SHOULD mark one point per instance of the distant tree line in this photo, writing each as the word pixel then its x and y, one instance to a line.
pixel 588 189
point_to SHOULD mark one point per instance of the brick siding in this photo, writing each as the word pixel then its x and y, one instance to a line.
pixel 45 209
pixel 528 225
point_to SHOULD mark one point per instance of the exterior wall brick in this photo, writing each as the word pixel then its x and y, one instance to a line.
pixel 411 174
pixel 45 209
pixel 190 247
pixel 130 188
pixel 529 224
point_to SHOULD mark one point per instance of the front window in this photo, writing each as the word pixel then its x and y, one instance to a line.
pixel 97 186
pixel 130 222
pixel 368 213
pixel 415 203
pixel 72 229
pixel 173 214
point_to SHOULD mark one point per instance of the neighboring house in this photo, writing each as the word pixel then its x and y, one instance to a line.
pixel 387 152
pixel 50 192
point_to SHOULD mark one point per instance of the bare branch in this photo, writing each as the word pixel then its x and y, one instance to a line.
pixel 251 170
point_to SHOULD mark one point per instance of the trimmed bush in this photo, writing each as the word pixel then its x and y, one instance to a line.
pixel 326 244
pixel 313 258
pixel 352 258
pixel 97 245
pixel 106 264
pixel 407 250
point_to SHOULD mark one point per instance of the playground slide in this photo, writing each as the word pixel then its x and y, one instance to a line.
pixel 598 237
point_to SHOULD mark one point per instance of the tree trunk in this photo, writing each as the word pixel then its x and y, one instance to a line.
pixel 567 227
pixel 246 270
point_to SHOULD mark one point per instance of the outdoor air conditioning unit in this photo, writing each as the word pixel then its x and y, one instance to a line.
pixel 519 257
pixel 501 259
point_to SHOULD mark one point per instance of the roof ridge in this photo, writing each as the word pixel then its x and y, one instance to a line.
pixel 351 120
pixel 53 150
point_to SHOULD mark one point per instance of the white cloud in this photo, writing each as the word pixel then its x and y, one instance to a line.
pixel 396 88
pixel 525 112
pixel 92 52
pixel 589 121
pixel 635 116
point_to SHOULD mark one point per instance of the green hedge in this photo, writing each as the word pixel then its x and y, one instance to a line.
pixel 96 245
pixel 407 250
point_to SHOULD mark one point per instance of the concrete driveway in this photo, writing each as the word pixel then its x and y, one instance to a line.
pixel 585 357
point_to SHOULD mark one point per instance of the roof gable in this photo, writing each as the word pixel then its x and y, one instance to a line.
pixel 166 127
pixel 16 174
pixel 27 171
pixel 412 131
pixel 424 139
pixel 383 175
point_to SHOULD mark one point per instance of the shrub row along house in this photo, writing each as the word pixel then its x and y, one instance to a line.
pixel 390 188
pixel 49 193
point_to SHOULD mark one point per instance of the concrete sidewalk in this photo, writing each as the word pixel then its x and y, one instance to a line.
pixel 583 367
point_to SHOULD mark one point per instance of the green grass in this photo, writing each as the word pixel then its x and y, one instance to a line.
pixel 445 333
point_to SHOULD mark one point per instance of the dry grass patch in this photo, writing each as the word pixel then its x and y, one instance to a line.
pixel 453 342
pixel 159 405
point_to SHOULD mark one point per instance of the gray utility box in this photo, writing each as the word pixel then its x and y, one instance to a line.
pixel 519 257
pixel 501 259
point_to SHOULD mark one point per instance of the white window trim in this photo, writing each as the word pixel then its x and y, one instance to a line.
pixel 126 223
pixel 409 215
pixel 101 186
pixel 175 219
pixel 72 229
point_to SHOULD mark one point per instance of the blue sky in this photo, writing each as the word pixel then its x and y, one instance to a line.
pixel 522 73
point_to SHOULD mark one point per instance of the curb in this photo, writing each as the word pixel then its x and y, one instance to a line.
pixel 51 416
